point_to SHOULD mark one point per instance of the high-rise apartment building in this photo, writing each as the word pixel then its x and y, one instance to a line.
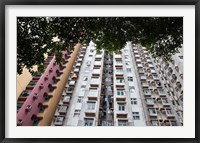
pixel 127 88
pixel 37 103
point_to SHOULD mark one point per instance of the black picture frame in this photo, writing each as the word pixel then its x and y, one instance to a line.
pixel 4 3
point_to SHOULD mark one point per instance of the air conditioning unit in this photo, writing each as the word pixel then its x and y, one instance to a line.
pixel 19 122
pixel 51 70
pixel 46 77
pixel 28 108
pixel 41 85
pixel 35 96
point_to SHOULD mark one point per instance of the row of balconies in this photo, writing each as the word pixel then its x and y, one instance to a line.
pixel 68 91
pixel 170 122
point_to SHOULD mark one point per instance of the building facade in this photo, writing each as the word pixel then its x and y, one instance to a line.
pixel 37 103
pixel 98 88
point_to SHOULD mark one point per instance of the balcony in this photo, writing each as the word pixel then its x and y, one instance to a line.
pixel 143 77
pixel 153 71
pixel 76 70
pixel 72 83
pixel 81 55
pixel 155 123
pixel 63 110
pixel 155 77
pixel 95 81
pixel 161 93
pixel 118 63
pixel 169 113
pixel 145 84
pixel 118 57
pixel 140 70
pixel 78 65
pixel 66 99
pixel 149 61
pixel 138 60
pixel 93 92
pixel 150 102
pixel 79 60
pixel 150 65
pixel 139 65
pixel 158 84
pixel 165 102
pixel 96 72
pixel 99 56
pixel 68 91
pixel 147 92
pixel 59 121
pixel 173 123
pixel 152 112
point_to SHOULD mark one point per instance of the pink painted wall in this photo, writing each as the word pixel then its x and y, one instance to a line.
pixel 22 113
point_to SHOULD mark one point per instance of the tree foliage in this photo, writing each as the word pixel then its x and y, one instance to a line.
pixel 162 36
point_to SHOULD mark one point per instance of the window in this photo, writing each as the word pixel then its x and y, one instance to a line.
pixel 128 70
pixel 88 63
pixel 149 101
pixel 152 111
pixel 118 61
pixel 181 57
pixel 177 68
pixel 146 91
pixel 88 122
pixel 155 123
pixel 173 123
pixel 164 100
pixel 120 92
pixel 122 122
pixel 119 70
pixel 120 80
pixel 121 107
pixel 93 91
pixel 91 105
pixel 134 101
pixel 181 75
pixel 130 79
pixel 77 113
pixel 95 79
pixel 91 51
pixel 169 111
pixel 126 56
pixel 90 55
pixel 136 116
pixel 85 78
pixel 59 119
pixel 80 99
pixel 132 89
pixel 127 63
pixel 83 87
pixel 161 91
